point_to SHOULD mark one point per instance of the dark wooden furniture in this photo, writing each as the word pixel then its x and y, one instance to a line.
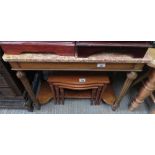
pixel 11 92
pixel 76 48
pixel 55 47
pixel 100 62
pixel 78 81
pixel 136 48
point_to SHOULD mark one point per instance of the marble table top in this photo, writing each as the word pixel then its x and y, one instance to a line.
pixel 151 53
pixel 104 57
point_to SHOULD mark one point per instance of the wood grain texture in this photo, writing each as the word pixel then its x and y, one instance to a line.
pixel 144 92
pixel 109 96
pixel 78 81
pixel 45 94
pixel 76 66
pixel 115 43
pixel 60 48
pixel 74 77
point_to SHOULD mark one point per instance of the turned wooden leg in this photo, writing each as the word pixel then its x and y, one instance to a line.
pixel 130 78
pixel 57 94
pixel 144 92
pixel 93 96
pixel 22 76
pixel 98 95
pixel 53 92
pixel 102 91
pixel 62 95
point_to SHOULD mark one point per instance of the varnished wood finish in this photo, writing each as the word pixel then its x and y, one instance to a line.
pixel 45 94
pixel 73 78
pixel 76 66
pixel 59 48
pixel 145 91
pixel 109 96
pixel 115 43
pixel 62 95
pixel 93 96
pixel 84 87
pixel 130 78
pixel 72 81
pixel 87 48
pixel 57 94
pixel 85 94
pixel 102 92
pixel 149 86
pixel 138 49
pixel 98 95
pixel 54 93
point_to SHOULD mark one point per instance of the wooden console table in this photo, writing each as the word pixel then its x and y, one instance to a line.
pixel 99 62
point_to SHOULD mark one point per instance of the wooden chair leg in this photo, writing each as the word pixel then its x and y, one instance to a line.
pixel 62 95
pixel 54 94
pixel 98 95
pixel 93 96
pixel 145 92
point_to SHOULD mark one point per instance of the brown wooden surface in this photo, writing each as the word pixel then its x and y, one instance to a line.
pixel 62 90
pixel 129 65
pixel 144 92
pixel 73 78
pixel 74 94
pixel 148 87
pixel 76 66
pixel 68 48
pixel 109 96
pixel 71 81
pixel 88 48
pixel 115 43
pixel 60 48
pixel 45 94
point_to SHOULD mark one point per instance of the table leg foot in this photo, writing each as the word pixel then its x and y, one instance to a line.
pixel 114 107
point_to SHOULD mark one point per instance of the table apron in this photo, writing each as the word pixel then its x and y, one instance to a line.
pixel 77 66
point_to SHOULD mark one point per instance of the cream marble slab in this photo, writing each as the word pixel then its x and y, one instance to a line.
pixel 104 57
pixel 151 54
